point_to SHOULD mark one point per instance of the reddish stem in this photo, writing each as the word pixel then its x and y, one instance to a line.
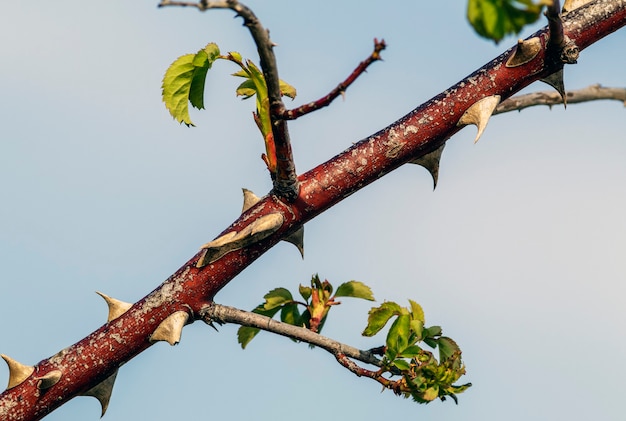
pixel 339 89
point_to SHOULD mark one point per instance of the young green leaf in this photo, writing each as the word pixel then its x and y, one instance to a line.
pixel 402 364
pixel 379 316
pixel 355 289
pixel 184 81
pixel 447 348
pixel 398 335
pixel 494 19
pixel 417 313
pixel 289 313
pixel 305 292
pixel 276 298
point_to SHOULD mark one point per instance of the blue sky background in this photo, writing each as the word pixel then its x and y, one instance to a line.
pixel 518 254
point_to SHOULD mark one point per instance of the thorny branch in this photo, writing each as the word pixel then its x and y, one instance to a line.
pixel 550 98
pixel 91 364
pixel 339 89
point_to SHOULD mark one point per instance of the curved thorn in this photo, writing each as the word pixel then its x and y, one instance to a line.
pixel 258 230
pixel 297 239
pixel 556 81
pixel 524 52
pixel 171 329
pixel 49 379
pixel 102 391
pixel 430 161
pixel 249 199
pixel 18 372
pixel 479 113
pixel 116 307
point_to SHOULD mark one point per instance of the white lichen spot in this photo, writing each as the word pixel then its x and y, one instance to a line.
pixel 408 130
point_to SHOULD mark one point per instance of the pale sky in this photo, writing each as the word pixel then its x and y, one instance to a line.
pixel 519 254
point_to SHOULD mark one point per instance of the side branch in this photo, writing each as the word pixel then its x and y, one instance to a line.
pixel 590 93
pixel 341 88
pixel 216 313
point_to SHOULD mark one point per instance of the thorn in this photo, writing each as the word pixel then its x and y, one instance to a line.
pixel 570 5
pixel 171 328
pixel 556 81
pixel 235 240
pixel 524 52
pixel 102 391
pixel 116 307
pixel 249 199
pixel 479 113
pixel 48 380
pixel 18 372
pixel 297 239
pixel 430 161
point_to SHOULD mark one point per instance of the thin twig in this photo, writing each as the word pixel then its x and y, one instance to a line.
pixel 217 313
pixel 550 98
pixel 560 47
pixel 341 88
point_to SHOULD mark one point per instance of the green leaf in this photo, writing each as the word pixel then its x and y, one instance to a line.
pixel 286 89
pixel 289 314
pixel 417 328
pixel 447 348
pixel 398 335
pixel 432 332
pixel 276 298
pixel 245 334
pixel 410 351
pixel 379 316
pixel 417 313
pixel 246 89
pixel 355 289
pixel 184 82
pixel 402 364
pixel 305 292
pixel 494 19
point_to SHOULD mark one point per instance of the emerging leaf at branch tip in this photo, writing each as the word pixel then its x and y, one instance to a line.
pixel 102 391
pixel 556 81
pixel 184 81
pixel 171 329
pixel 18 372
pixel 355 289
pixel 116 307
pixel 49 379
pixel 430 161
pixel 524 52
pixel 249 199
pixel 479 114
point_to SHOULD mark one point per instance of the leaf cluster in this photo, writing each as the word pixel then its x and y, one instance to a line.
pixel 495 19
pixel 184 84
pixel 318 300
pixel 423 377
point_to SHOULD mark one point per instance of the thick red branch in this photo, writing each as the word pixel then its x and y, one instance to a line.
pixel 424 129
